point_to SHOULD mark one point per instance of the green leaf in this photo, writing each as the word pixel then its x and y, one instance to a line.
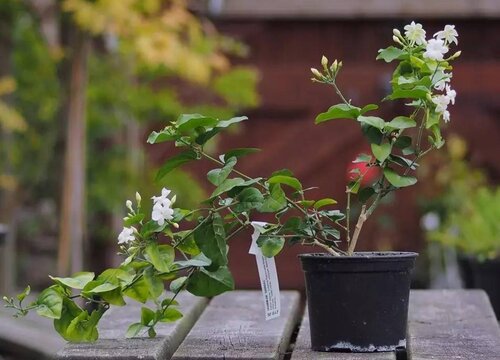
pixel 188 245
pixel 270 245
pixel 403 142
pixel 115 276
pixel 275 201
pixel 161 256
pixel 237 153
pixel 365 194
pixel 138 291
pixel 389 54
pixel 307 203
pixel 188 122
pixel 151 332
pixel 205 283
pixel 402 161
pixel 227 185
pixel 134 330
pixel 49 303
pixel 147 316
pixel 218 176
pixel 249 198
pixel 211 244
pixel 76 281
pixel 286 180
pixel 362 158
pixel 177 284
pixel 373 134
pixel 197 261
pixel 353 186
pixel 162 136
pixel 170 315
pixel 374 121
pixel 339 111
pixel 114 297
pixel 367 108
pixel 381 151
pixel 95 287
pixel 174 162
pixel 69 312
pixel 324 202
pixel 418 92
pixel 401 122
pixel 204 137
pixel 154 283
pixel 25 293
pixel 132 220
pixel 398 180
pixel 84 326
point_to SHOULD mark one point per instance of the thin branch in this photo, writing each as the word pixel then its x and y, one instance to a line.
pixel 362 218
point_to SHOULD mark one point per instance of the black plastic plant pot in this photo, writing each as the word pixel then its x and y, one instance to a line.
pixel 358 303
pixel 483 275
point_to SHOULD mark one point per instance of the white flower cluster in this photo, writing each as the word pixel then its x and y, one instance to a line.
pixel 435 49
pixel 162 211
pixel 127 235
pixel 162 207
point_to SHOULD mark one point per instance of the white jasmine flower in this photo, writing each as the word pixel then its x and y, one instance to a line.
pixel 451 94
pixel 162 208
pixel 162 212
pixel 415 33
pixel 164 195
pixel 435 49
pixel 440 85
pixel 449 34
pixel 446 116
pixel 127 235
pixel 441 102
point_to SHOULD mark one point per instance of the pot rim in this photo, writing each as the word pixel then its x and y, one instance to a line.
pixel 363 255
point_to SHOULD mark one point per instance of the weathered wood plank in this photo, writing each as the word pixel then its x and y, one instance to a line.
pixel 302 349
pixel 233 327
pixel 452 325
pixel 112 344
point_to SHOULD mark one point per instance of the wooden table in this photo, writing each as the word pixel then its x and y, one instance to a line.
pixel 443 324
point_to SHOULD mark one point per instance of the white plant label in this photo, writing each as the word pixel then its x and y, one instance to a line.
pixel 267 274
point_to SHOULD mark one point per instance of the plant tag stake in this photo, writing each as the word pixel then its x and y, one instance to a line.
pixel 267 275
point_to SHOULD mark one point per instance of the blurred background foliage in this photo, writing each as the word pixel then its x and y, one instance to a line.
pixel 149 61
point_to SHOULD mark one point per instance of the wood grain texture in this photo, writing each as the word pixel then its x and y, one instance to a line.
pixel 112 344
pixel 233 327
pixel 302 349
pixel 452 325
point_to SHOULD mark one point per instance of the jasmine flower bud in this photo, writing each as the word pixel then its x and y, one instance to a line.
pixel 316 73
pixel 396 32
pixel 333 67
pixel 128 204
pixel 324 62
pixel 138 197
pixel 396 40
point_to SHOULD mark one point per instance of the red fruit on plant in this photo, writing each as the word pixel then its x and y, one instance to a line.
pixel 370 172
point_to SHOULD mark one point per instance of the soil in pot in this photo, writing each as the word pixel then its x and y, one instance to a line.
pixel 358 303
pixel 482 275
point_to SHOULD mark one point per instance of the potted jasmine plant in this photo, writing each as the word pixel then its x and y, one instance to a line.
pixel 361 298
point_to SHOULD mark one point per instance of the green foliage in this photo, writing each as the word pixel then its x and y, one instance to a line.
pixel 473 228
pixel 466 207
